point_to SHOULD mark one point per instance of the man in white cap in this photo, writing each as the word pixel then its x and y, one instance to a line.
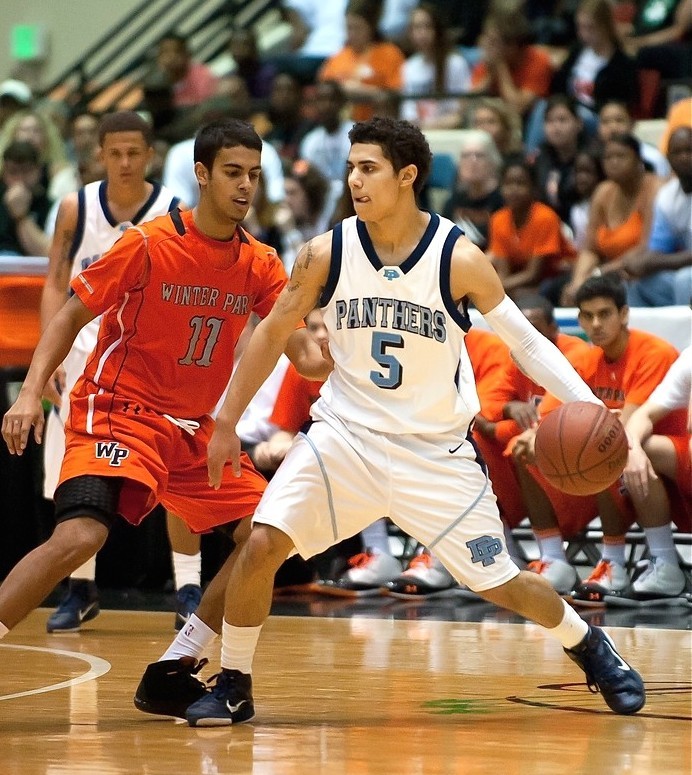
pixel 14 95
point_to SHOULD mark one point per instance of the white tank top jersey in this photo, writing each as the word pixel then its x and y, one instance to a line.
pixel 396 336
pixel 97 231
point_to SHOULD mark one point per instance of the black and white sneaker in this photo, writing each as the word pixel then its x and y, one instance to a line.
pixel 606 671
pixel 169 687
pixel 228 702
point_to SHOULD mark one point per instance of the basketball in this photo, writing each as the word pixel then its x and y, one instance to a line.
pixel 581 448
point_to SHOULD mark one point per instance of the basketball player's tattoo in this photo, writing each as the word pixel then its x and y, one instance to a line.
pixel 67 240
pixel 308 258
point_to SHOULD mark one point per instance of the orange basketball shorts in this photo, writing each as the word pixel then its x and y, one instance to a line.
pixel 108 435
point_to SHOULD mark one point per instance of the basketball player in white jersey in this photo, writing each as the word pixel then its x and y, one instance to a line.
pixel 391 428
pixel 89 223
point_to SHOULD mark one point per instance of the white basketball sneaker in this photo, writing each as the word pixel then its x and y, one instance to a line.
pixel 367 576
pixel 561 576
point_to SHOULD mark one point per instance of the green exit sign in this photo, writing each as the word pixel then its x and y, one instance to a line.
pixel 28 42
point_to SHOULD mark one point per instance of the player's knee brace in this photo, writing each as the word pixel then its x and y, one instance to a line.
pixel 88 496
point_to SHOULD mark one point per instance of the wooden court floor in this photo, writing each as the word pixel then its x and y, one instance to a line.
pixel 358 695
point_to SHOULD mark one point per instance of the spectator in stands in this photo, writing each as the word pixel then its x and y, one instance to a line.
pixel 660 37
pixel 192 82
pixel 14 96
pixel 394 20
pixel 368 68
pixel 527 244
pixel 615 118
pixel 318 31
pixel 588 173
pixel 622 368
pixel 261 218
pixel 620 216
pixel 501 122
pixel 247 66
pixel 59 177
pixel 24 204
pixel 661 273
pixel 82 136
pixel 433 69
pixel 306 211
pixel 554 164
pixel 679 114
pixel 327 145
pixel 510 68
pixel 658 472
pixel 476 194
pixel 596 69
pixel 288 125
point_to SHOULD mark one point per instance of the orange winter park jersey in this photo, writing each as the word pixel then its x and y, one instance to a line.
pixel 629 380
pixel 174 303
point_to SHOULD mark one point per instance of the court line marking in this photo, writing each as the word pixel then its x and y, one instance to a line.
pixel 97 668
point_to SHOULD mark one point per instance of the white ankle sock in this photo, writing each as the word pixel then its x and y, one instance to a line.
pixel 614 551
pixel 238 645
pixel 187 569
pixel 571 630
pixel 661 545
pixel 191 641
pixel 86 571
pixel 550 543
pixel 3 630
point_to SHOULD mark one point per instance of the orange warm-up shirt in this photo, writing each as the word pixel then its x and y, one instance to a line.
pixel 514 385
pixel 293 401
pixel 379 66
pixel 540 236
pixel 629 380
pixel 488 355
pixel 174 303
pixel 533 73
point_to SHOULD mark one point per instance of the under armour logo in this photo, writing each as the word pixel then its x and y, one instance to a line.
pixel 390 274
pixel 112 450
pixel 484 549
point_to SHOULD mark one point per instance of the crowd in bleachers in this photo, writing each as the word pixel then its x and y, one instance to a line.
pixel 550 180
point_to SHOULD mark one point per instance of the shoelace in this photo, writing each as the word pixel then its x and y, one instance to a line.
pixel 419 560
pixel 189 426
pixel 601 571
pixel 360 560
pixel 202 663
pixel 538 566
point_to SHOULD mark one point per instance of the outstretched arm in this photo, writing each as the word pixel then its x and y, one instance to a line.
pixel 472 275
pixel 50 352
pixel 268 341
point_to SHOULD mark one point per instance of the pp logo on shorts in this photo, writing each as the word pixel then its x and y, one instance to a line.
pixel 111 450
pixel 484 549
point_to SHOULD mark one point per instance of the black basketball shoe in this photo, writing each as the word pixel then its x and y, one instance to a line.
pixel 169 687
pixel 229 702
pixel 606 671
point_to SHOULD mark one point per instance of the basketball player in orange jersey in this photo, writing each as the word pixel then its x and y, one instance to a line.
pixel 89 222
pixel 174 295
pixel 622 369
pixel 658 477
pixel 390 431
pixel 513 403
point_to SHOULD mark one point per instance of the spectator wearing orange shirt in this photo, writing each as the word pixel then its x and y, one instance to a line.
pixel 622 368
pixel 511 68
pixel 368 68
pixel 527 245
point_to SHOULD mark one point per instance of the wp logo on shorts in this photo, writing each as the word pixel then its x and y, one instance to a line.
pixel 112 450
pixel 484 549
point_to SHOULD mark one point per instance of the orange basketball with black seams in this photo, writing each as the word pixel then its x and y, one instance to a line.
pixel 581 448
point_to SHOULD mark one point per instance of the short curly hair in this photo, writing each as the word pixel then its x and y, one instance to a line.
pixel 401 142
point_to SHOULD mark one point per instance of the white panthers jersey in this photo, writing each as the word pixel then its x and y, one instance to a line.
pixel 396 336
pixel 97 231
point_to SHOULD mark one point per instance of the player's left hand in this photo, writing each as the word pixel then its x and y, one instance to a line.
pixel 26 411
pixel 224 445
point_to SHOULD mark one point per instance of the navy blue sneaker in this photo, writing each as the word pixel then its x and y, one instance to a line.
pixel 186 601
pixel 169 687
pixel 606 671
pixel 229 702
pixel 80 604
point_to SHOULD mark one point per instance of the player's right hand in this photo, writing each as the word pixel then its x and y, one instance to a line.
pixel 26 411
pixel 224 445
pixel 55 387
